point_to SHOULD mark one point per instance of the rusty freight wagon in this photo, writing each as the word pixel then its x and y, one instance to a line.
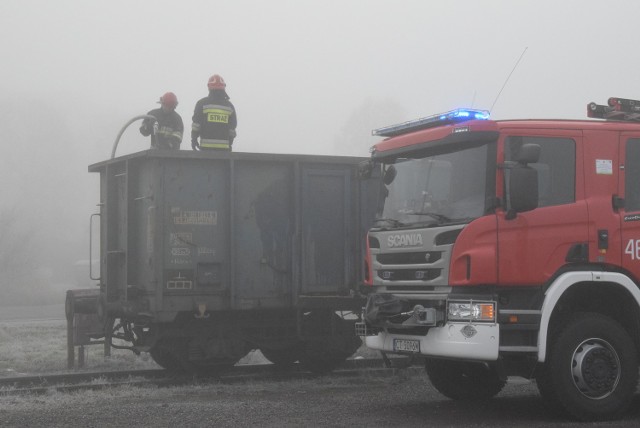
pixel 205 256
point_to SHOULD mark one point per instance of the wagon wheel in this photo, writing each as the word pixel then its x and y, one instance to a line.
pixel 208 367
pixel 163 355
pixel 210 355
pixel 330 341
pixel 283 358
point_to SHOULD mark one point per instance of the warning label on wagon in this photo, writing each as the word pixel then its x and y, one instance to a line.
pixel 208 218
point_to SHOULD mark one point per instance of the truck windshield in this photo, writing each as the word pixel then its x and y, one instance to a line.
pixel 441 188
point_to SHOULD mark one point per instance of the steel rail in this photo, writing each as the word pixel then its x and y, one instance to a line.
pixel 71 382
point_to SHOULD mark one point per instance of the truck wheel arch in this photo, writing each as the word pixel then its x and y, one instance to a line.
pixel 561 285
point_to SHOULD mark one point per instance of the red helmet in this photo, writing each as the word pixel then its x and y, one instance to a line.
pixel 169 100
pixel 216 82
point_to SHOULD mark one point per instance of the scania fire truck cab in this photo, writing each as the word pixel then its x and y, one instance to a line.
pixel 511 248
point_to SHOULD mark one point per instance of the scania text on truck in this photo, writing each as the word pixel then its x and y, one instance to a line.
pixel 511 248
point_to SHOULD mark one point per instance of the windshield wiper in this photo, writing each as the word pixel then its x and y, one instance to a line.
pixel 392 221
pixel 440 217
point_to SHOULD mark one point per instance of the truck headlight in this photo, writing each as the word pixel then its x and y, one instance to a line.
pixel 471 311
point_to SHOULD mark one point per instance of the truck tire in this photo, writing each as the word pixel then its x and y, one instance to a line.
pixel 544 382
pixel 463 380
pixel 591 371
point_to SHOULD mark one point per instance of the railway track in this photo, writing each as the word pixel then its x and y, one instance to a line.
pixel 72 382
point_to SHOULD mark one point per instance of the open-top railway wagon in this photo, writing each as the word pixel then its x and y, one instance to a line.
pixel 207 255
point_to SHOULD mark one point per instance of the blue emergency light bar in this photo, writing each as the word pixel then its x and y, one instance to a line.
pixel 454 116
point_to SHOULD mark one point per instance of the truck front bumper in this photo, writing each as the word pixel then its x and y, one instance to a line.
pixel 469 341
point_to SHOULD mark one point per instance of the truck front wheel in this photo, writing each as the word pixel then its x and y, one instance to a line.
pixel 462 380
pixel 592 369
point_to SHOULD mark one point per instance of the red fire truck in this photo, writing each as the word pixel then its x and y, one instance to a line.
pixel 511 248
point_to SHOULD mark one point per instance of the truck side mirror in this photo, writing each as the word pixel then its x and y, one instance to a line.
pixel 523 181
pixel 523 190
pixel 389 175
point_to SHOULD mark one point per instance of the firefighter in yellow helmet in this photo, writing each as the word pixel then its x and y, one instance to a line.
pixel 214 118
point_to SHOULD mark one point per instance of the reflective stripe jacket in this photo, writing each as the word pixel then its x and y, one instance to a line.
pixel 214 121
pixel 169 130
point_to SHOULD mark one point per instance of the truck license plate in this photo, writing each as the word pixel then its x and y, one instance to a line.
pixel 404 345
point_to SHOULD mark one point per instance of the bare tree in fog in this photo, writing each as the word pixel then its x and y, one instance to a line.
pixel 18 281
pixel 355 137
pixel 43 218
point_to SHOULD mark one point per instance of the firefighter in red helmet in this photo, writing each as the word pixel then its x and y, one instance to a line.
pixel 166 132
pixel 214 118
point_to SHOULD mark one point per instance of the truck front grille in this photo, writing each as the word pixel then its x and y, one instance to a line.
pixel 409 274
pixel 409 258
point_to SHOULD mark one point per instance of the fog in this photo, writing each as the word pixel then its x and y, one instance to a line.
pixel 305 76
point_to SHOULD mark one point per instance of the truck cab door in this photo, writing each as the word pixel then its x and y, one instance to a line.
pixel 628 203
pixel 533 245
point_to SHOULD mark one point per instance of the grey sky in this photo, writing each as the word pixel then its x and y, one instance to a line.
pixel 297 68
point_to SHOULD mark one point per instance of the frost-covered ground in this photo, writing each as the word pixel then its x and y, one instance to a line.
pixel 39 345
pixel 45 312
pixel 402 397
